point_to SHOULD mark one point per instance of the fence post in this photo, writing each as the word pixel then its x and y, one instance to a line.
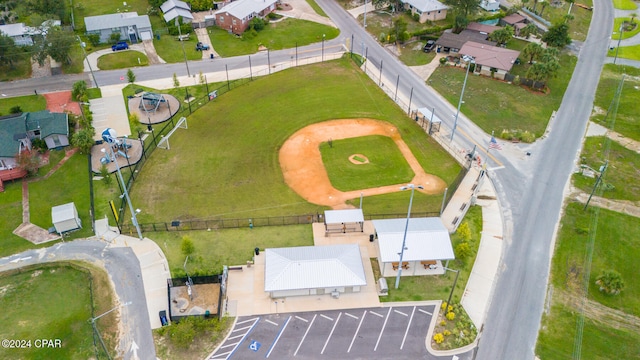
pixel 250 69
pixel 410 98
pixel 269 60
pixel 395 97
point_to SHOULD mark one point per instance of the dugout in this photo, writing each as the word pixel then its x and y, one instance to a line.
pixel 348 220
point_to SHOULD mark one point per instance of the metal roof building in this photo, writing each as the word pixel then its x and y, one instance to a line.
pixel 344 220
pixel 171 9
pixel 313 270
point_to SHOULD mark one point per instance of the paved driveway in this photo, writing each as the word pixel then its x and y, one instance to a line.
pixel 365 333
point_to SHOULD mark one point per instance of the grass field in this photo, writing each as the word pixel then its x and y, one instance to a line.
pixel 617 22
pixel 170 49
pixel 626 52
pixel 83 8
pixel 36 308
pixel 287 33
pixel 27 103
pixel 579 26
pixel 494 105
pixel 411 54
pixel 386 166
pixel 624 4
pixel 226 163
pixel 616 247
pixel 122 60
pixel 316 8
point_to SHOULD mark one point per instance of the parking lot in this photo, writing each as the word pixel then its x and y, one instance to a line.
pixel 380 333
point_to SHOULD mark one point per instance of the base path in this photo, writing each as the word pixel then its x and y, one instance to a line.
pixel 304 172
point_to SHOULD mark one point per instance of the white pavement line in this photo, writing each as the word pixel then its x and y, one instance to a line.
pixel 256 320
pixel 278 337
pixel 220 356
pixel 271 322
pixel 233 344
pixel 331 333
pixel 425 312
pixel 400 312
pixel 375 313
pixel 303 319
pixel 244 328
pixel 357 330
pixel 326 317
pixel 496 168
pixel 352 316
pixel 409 325
pixel 305 334
pixel 245 321
pixel 382 330
pixel 237 336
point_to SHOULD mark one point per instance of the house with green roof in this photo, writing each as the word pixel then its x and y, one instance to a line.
pixel 18 130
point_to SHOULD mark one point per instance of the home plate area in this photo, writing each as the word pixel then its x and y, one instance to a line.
pixel 368 333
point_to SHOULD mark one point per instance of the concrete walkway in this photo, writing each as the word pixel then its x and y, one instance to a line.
pixel 303 11
pixel 91 62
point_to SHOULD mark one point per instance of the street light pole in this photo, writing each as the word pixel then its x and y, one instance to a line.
pixel 83 45
pixel 452 288
pixel 182 43
pixel 365 15
pixel 322 47
pixel 406 228
pixel 619 39
pixel 464 85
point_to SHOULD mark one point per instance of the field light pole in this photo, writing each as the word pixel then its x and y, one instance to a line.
pixel 406 228
pixel 469 60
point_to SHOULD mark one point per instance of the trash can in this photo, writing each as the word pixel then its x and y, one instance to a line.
pixel 257 251
pixel 211 56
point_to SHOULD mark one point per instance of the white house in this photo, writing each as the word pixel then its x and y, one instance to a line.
pixel 490 5
pixel 431 10
pixel 171 9
pixel 131 27
pixel 20 33
pixel 313 270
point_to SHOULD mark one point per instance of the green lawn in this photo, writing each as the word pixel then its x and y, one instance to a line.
pixel 616 247
pixel 495 105
pixel 411 54
pixel 122 60
pixel 386 166
pixel 625 33
pixel 624 4
pixel 21 69
pixel 285 34
pixel 83 8
pixel 627 122
pixel 47 303
pixel 626 52
pixel 579 26
pixel 226 163
pixel 27 103
pixel 316 8
pixel 170 49
pixel 227 247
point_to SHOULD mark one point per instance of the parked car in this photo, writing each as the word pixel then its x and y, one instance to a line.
pixel 201 47
pixel 429 46
pixel 121 45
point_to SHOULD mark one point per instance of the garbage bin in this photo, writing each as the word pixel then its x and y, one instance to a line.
pixel 257 250
pixel 211 56
pixel 371 237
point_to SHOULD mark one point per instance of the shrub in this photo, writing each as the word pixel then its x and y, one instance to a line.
pixel 443 60
pixel 450 315
pixel 382 37
pixel 464 231
pixel 446 333
pixel 443 305
pixel 463 251
pixel 15 110
pixel 438 338
pixel 106 177
pixel 443 323
pixel 610 282
pixel 114 37
pixel 257 23
pixel 94 39
pixel 39 144
pixel 187 246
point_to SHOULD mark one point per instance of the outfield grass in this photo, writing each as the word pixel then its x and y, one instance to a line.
pixel 624 4
pixel 626 122
pixel 617 22
pixel 495 105
pixel 28 103
pixel 227 247
pixel 386 166
pixel 122 60
pixel 285 34
pixel 226 163
pixel 38 305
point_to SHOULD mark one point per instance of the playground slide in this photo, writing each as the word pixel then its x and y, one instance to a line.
pixel 121 153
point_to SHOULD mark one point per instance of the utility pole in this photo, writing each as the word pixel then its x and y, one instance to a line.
pixel 83 45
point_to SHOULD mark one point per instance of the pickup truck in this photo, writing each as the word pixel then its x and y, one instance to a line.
pixel 121 45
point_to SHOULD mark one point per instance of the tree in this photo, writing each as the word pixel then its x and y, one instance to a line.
pixel 537 72
pixel 610 282
pixel 59 43
pixel 558 35
pixel 131 77
pixel 460 23
pixel 176 82
pixel 528 30
pixel 8 50
pixel 106 176
pixel 83 139
pixel 186 246
pixel 633 16
pixel 544 4
pixel 535 4
pixel 28 161
pixel 463 7
pixel 114 37
pixel 57 8
pixel 94 39
pixel 502 36
pixel 532 51
pixel 257 24
pixel 78 90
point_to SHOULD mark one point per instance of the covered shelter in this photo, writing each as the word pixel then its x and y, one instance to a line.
pixel 426 246
pixel 313 270
pixel 65 218
pixel 351 220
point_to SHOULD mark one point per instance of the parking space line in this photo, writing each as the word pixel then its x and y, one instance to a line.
pixel 271 322
pixel 244 321
pixel 326 317
pixel 234 344
pixel 400 312
pixel 375 313
pixel 299 318
pixel 426 312
pixel 408 325
pixel 256 321
pixel 357 330
pixel 382 330
pixel 305 335
pixel 352 316
pixel 244 328
pixel 220 356
pixel 233 337
pixel 278 337
pixel 331 333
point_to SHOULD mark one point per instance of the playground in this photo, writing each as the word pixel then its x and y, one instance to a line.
pixel 153 108
pixel 125 152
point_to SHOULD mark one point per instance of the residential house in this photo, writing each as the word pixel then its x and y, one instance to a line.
pixel 18 130
pixel 20 33
pixel 482 28
pixel 490 60
pixel 452 42
pixel 131 27
pixel 516 21
pixel 431 10
pixel 490 5
pixel 236 16
pixel 172 9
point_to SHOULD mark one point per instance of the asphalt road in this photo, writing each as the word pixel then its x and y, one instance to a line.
pixel 124 270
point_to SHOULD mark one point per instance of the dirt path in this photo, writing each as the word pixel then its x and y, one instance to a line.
pixel 597 312
pixel 303 171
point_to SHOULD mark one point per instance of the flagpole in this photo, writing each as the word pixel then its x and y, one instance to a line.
pixel 489 146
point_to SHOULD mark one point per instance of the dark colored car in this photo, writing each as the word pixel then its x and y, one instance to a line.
pixel 121 45
pixel 201 47
pixel 429 46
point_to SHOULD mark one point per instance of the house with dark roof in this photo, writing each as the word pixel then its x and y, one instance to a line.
pixel 452 42
pixel 490 60
pixel 431 10
pixel 131 27
pixel 482 28
pixel 18 130
pixel 235 16
pixel 171 9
